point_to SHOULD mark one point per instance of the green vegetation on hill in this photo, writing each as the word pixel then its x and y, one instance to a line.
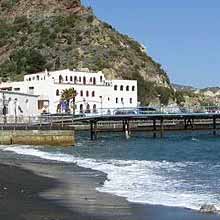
pixel 63 34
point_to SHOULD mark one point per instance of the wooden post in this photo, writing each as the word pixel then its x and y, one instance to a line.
pixel 91 130
pixel 127 129
pixel 214 125
pixel 123 126
pixel 185 124
pixel 161 128
pixel 154 128
pixel 95 130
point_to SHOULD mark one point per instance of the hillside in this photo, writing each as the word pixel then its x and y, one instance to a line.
pixel 59 34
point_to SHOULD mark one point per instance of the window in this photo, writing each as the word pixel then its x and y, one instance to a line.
pixel 80 79
pixel 66 78
pixel 94 108
pixel 93 93
pixel 38 78
pixel 33 78
pixel 116 100
pixel 94 81
pixel 88 108
pixel 31 90
pixel 30 79
pixel 121 88
pixel 81 108
pixel 127 88
pixel 16 89
pixel 87 93
pixel 130 100
pixel 57 92
pixel 90 80
pixel 122 100
pixel 71 78
pixel 115 87
pixel 81 93
pixel 84 80
pixel 133 88
pixel 60 79
pixel 100 78
pixel 108 99
pixel 75 79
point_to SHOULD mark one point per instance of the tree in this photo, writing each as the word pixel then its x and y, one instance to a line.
pixel 68 95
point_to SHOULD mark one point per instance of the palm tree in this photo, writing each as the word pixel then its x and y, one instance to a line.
pixel 68 95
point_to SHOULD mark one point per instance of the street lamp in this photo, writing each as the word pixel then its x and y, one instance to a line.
pixel 4 110
pixel 15 110
pixel 159 96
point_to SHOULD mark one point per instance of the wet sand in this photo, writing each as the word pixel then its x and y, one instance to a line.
pixel 43 191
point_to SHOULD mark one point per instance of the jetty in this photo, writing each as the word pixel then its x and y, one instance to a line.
pixel 155 123
pixel 59 130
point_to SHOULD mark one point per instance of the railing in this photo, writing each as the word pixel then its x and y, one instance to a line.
pixel 64 118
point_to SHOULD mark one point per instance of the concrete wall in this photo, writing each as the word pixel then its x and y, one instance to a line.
pixel 36 137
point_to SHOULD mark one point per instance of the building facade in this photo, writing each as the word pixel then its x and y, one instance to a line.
pixel 95 94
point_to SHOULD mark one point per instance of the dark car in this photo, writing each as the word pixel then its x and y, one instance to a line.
pixel 125 112
pixel 147 110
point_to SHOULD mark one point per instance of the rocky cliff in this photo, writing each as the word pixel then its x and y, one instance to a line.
pixel 58 34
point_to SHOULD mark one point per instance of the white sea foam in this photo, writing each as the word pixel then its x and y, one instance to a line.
pixel 138 181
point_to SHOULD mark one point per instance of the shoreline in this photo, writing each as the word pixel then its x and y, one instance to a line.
pixel 44 190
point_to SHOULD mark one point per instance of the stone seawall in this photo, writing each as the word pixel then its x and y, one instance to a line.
pixel 38 137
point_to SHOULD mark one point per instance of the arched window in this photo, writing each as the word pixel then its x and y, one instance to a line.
pixel 84 80
pixel 60 79
pixel 116 100
pixel 93 93
pixel 75 79
pixel 71 78
pixel 121 88
pixel 30 79
pixel 57 92
pixel 66 78
pixel 127 88
pixel 100 78
pixel 108 98
pixel 87 93
pixel 90 80
pixel 94 81
pixel 130 100
pixel 81 108
pixel 81 93
pixel 94 109
pixel 80 79
pixel 115 87
pixel 38 78
pixel 133 88
pixel 122 100
pixel 88 108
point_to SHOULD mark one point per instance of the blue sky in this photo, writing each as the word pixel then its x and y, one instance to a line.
pixel 184 36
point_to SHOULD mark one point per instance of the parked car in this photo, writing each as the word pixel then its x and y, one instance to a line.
pixel 147 110
pixel 125 112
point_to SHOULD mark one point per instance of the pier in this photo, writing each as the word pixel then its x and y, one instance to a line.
pixel 59 130
pixel 155 123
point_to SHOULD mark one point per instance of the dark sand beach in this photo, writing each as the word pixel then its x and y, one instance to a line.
pixel 42 191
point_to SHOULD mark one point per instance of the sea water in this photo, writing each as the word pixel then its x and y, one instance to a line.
pixel 181 169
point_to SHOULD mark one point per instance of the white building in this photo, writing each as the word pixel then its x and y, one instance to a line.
pixel 18 104
pixel 94 92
